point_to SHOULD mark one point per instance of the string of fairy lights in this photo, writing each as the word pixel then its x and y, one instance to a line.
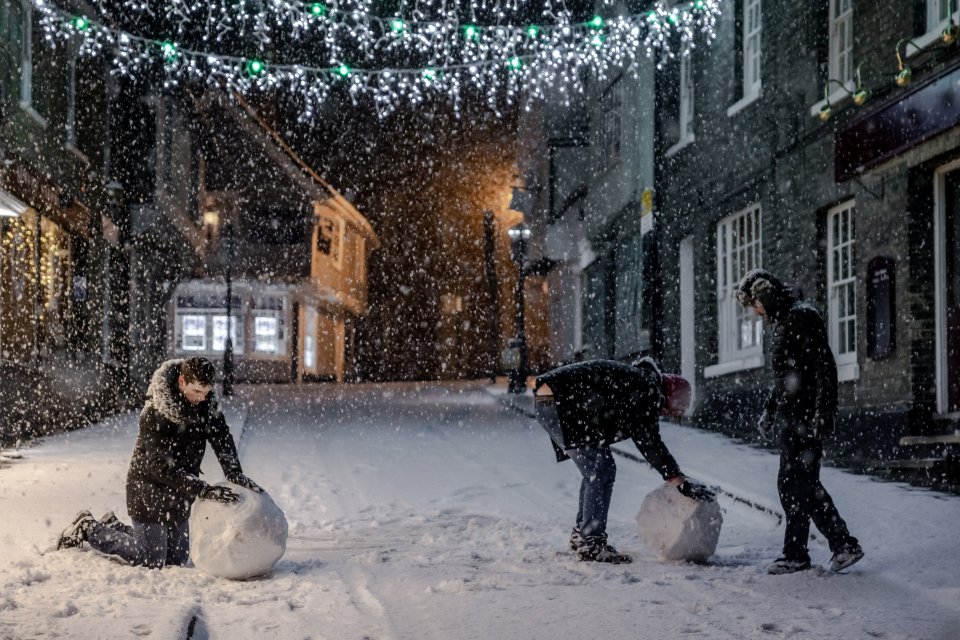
pixel 443 46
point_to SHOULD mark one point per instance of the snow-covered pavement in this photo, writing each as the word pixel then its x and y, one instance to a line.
pixel 433 512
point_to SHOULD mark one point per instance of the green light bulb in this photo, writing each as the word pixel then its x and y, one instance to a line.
pixel 470 32
pixel 317 9
pixel 429 74
pixel 533 31
pixel 80 23
pixel 596 23
pixel 397 25
pixel 169 50
pixel 255 67
pixel 343 70
pixel 515 63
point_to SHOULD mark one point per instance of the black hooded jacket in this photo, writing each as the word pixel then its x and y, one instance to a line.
pixel 604 401
pixel 163 479
pixel 805 372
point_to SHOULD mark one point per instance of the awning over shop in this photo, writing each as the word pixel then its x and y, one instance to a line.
pixel 916 116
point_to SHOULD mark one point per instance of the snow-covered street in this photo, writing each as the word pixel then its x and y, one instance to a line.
pixel 429 511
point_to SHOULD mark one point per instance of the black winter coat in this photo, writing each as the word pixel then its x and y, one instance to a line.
pixel 163 479
pixel 805 372
pixel 600 402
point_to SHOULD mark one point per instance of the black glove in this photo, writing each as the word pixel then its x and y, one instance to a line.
pixel 697 491
pixel 246 482
pixel 766 427
pixel 822 426
pixel 226 495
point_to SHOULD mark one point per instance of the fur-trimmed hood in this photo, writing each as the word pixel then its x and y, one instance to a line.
pixel 163 395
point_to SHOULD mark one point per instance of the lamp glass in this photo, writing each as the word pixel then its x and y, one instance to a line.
pixel 11 207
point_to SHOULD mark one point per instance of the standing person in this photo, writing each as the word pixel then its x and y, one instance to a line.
pixel 587 406
pixel 178 419
pixel 802 404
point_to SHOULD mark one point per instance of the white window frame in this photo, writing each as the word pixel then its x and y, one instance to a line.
pixel 935 26
pixel 940 286
pixel 739 331
pixel 841 41
pixel 686 106
pixel 937 14
pixel 840 65
pixel 752 48
pixel 610 134
pixel 842 289
pixel 26 63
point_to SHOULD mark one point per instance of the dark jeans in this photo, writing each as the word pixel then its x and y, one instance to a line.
pixel 598 471
pixel 803 496
pixel 145 544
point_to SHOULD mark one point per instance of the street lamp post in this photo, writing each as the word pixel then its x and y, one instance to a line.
pixel 519 236
pixel 228 342
pixel 490 269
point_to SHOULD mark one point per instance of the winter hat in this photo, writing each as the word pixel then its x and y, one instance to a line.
pixel 676 394
pixel 759 285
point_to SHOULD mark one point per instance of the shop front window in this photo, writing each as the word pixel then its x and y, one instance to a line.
pixel 193 330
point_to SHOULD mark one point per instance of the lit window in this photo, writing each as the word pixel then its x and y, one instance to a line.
pixel 310 352
pixel 265 334
pixel 193 333
pixel 220 334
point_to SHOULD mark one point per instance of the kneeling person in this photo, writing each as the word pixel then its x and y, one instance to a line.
pixel 178 419
pixel 587 406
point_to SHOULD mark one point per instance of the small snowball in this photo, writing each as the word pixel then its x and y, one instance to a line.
pixel 678 528
pixel 240 540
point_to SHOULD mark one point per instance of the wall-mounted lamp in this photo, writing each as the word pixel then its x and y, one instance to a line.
pixel 860 94
pixel 11 207
pixel 904 74
pixel 950 32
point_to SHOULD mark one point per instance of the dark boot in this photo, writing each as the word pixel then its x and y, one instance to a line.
pixel 76 534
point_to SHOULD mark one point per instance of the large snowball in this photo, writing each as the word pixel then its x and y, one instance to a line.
pixel 678 528
pixel 239 540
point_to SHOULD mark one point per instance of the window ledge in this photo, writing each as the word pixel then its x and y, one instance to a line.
pixel 683 142
pixel 33 113
pixel 733 366
pixel 742 103
pixel 847 372
pixel 920 43
pixel 837 97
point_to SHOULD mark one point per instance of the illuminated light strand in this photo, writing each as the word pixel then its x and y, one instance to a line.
pixel 516 59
